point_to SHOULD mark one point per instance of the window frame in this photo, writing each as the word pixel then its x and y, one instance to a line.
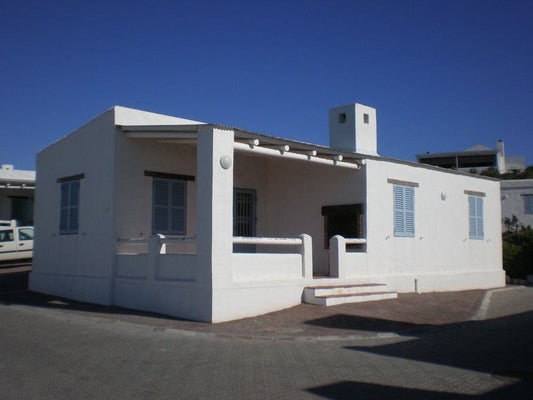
pixel 169 206
pixel 476 217
pixel 528 204
pixel 69 209
pixel 403 210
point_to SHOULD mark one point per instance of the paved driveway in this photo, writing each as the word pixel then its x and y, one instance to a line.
pixel 50 354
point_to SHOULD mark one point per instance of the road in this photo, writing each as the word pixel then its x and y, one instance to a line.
pixel 46 354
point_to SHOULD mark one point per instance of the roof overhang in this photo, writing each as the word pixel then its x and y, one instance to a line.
pixel 247 141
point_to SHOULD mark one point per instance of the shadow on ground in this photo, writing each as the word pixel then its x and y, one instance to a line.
pixel 353 390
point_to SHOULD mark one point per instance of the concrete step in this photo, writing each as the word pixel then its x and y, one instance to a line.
pixel 328 290
pixel 329 295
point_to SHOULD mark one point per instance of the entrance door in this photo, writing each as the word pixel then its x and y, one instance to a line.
pixel 244 218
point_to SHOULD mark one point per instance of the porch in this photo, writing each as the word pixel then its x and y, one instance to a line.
pixel 250 230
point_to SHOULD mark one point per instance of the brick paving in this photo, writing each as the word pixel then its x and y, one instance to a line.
pixel 407 313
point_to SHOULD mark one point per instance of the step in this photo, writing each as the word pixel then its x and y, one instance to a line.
pixel 325 290
pixel 331 300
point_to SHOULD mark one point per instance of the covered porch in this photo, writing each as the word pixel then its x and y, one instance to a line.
pixel 217 223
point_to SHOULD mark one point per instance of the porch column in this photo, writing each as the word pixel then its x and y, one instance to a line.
pixel 214 207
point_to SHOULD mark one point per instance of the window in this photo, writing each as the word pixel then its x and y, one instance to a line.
pixel 342 118
pixel 26 234
pixel 6 235
pixel 366 118
pixel 404 210
pixel 528 203
pixel 345 220
pixel 475 215
pixel 168 212
pixel 70 205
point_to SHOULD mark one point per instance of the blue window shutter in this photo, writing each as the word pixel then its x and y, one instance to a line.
pixel 178 207
pixel 404 210
pixel 63 216
pixel 479 217
pixel 409 211
pixel 475 217
pixel 528 204
pixel 160 219
pixel 69 207
pixel 399 219
pixel 74 206
pixel 168 210
pixel 472 217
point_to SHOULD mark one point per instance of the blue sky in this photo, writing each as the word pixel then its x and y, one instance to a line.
pixel 443 75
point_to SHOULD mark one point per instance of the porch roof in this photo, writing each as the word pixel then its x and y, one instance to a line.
pixel 273 145
pixel 246 140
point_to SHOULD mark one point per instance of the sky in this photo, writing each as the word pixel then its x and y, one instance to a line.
pixel 443 75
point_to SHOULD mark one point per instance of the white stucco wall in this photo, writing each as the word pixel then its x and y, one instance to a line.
pixel 79 265
pixel 440 255
pixel 296 193
pixel 513 192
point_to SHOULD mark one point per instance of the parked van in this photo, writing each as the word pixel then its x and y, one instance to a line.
pixel 16 242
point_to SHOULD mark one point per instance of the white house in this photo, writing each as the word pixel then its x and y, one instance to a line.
pixel 214 223
pixel 517 199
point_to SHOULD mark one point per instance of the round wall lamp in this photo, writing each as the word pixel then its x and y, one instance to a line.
pixel 225 162
pixel 443 196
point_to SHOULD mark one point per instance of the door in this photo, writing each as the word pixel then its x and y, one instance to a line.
pixel 8 247
pixel 25 242
pixel 22 210
pixel 244 218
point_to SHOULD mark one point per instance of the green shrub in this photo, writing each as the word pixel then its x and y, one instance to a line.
pixel 518 252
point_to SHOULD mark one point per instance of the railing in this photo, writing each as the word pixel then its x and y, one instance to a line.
pixel 339 260
pixel 268 240
pixel 9 222
pixel 156 263
pixel 162 241
pixel 272 266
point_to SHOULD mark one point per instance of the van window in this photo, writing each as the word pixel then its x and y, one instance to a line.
pixel 25 234
pixel 6 236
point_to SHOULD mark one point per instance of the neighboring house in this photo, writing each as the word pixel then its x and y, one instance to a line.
pixel 16 194
pixel 213 223
pixel 517 199
pixel 477 158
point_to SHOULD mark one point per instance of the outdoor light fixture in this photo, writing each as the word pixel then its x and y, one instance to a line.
pixel 443 196
pixel 225 162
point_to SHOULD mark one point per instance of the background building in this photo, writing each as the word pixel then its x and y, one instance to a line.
pixel 17 189
pixel 478 157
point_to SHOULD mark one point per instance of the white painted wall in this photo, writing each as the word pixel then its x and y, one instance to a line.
pixel 296 193
pixel 441 246
pixel 513 200
pixel 353 133
pixel 77 266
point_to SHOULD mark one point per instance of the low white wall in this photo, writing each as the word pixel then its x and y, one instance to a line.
pixel 253 300
pixel 356 264
pixel 178 299
pixel 266 267
pixel 177 267
pixel 89 288
pixel 453 280
pixel 132 266
pixel 168 267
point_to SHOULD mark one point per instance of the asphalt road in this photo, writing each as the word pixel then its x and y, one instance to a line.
pixel 46 354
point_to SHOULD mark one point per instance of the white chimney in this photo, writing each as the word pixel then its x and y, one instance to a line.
pixel 353 127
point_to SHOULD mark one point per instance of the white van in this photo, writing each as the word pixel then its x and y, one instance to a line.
pixel 16 242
